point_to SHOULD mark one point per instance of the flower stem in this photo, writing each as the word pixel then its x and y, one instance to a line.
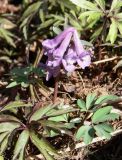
pixel 56 89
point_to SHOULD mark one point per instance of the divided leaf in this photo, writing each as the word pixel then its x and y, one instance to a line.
pixel 90 99
pixel 81 104
pixel 101 114
pixel 105 98
pixel 85 132
pixel 103 130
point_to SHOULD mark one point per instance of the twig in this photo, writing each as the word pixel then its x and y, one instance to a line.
pixel 38 58
pixel 81 80
pixel 105 60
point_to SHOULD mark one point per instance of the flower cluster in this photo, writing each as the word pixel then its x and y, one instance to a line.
pixel 65 50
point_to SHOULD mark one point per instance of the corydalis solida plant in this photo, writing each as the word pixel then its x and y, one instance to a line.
pixel 64 51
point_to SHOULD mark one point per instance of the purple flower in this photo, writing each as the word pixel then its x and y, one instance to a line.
pixel 65 50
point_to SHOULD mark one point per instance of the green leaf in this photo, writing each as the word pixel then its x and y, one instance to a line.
pixel 41 15
pixel 4 144
pixel 6 24
pixel 81 104
pixel 20 145
pixel 3 136
pixel 90 99
pixel 105 98
pixel 86 43
pixel 85 4
pixel 8 36
pixel 12 84
pixel 119 25
pixel 68 4
pixel 44 147
pixel 60 112
pixel 61 118
pixel 115 5
pixel 58 126
pixel 7 118
pixel 8 126
pixel 81 132
pixel 103 130
pixel 75 120
pixel 25 85
pixel 75 23
pixel 56 30
pixel 100 113
pixel 107 127
pixel 41 112
pixel 52 124
pixel 119 16
pixel 91 24
pixel 1 157
pixel 93 16
pixel 31 10
pixel 16 104
pixel 86 14
pixel 112 35
pixel 51 133
pixel 46 24
pixel 109 117
pixel 89 135
pixel 56 17
pixel 96 33
pixel 101 3
pixel 85 132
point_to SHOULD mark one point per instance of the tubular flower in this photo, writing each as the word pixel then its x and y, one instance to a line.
pixel 65 50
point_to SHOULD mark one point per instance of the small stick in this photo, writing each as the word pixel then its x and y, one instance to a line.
pixel 56 89
pixel 105 60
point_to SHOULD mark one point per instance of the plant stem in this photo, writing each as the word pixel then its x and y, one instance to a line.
pixel 56 89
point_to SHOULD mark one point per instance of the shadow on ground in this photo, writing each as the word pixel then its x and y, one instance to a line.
pixel 110 151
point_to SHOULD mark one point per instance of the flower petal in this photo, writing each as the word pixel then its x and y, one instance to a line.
pixel 84 62
pixel 50 44
pixel 71 56
pixel 59 53
pixel 63 46
pixel 77 43
pixel 68 67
